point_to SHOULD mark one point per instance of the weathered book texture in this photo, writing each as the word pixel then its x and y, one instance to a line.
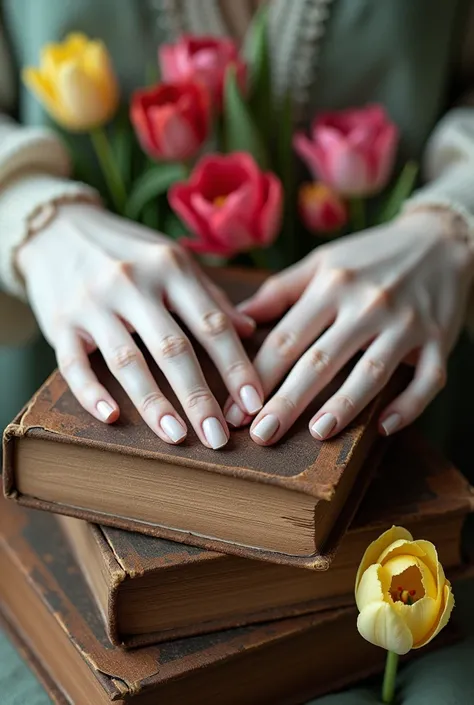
pixel 48 607
pixel 332 475
pixel 187 590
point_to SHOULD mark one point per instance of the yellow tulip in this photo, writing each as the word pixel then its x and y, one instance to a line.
pixel 401 592
pixel 76 83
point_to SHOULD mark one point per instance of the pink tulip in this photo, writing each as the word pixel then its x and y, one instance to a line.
pixel 204 59
pixel 321 209
pixel 229 204
pixel 352 151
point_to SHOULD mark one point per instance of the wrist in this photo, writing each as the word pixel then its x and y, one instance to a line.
pixel 442 220
pixel 43 223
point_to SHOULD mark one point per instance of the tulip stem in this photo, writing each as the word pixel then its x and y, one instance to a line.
pixel 390 677
pixel 110 169
pixel 358 214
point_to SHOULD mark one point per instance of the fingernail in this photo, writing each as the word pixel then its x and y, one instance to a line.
pixel 215 434
pixel 267 427
pixel 324 425
pixel 105 410
pixel 250 399
pixel 391 424
pixel 235 416
pixel 173 428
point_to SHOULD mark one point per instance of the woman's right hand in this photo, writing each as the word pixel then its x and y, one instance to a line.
pixel 93 278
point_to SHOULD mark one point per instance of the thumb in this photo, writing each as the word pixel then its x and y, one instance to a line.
pixel 277 294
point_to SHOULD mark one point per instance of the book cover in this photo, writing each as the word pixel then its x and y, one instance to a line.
pixel 415 487
pixel 331 475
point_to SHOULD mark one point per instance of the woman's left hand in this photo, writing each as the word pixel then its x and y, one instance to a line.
pixel 397 291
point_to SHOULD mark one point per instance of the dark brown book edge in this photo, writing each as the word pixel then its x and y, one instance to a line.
pixel 35 665
pixel 317 561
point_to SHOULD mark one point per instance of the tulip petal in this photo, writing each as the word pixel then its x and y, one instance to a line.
pixel 382 626
pixel 378 546
pixel 169 69
pixel 44 90
pixel 447 608
pixel 179 196
pixel 96 64
pixel 175 135
pixel 431 560
pixel 82 101
pixel 374 586
pixel 271 214
pixel 422 575
pixel 420 617
pixel 350 172
pixel 307 151
pixel 402 547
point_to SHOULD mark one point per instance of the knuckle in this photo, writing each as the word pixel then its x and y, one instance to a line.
pixel 408 317
pixel 168 256
pixel 198 397
pixel 286 402
pixel 318 360
pixel 283 343
pixel 124 356
pixel 67 365
pixel 240 367
pixel 151 400
pixel 214 323
pixel 380 300
pixel 346 403
pixel 340 276
pixel 376 369
pixel 173 346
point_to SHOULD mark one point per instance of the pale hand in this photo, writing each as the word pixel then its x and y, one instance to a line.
pixel 93 278
pixel 396 292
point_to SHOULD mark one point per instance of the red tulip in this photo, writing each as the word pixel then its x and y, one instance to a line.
pixel 352 151
pixel 229 204
pixel 204 59
pixel 171 121
pixel 321 209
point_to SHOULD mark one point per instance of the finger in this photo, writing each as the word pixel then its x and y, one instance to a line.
pixel 367 379
pixel 429 379
pixel 243 324
pixel 279 292
pixel 127 364
pixel 301 326
pixel 235 417
pixel 214 330
pixel 75 367
pixel 175 356
pixel 315 369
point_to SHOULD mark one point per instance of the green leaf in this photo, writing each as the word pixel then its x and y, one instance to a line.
pixel 122 144
pixel 151 184
pixel 400 192
pixel 258 60
pixel 174 227
pixel 151 215
pixel 241 133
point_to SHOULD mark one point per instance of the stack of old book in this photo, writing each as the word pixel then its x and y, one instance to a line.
pixel 182 575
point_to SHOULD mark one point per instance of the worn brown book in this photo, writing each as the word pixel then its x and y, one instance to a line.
pixel 150 590
pixel 49 610
pixel 289 503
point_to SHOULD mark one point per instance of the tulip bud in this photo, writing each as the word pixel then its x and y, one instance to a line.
pixel 401 592
pixel 76 83
pixel 321 209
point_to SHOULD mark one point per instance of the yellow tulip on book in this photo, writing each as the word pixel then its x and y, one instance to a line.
pixel 401 592
pixel 76 83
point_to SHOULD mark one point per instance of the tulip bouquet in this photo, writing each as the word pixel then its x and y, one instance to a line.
pixel 206 154
pixel 403 597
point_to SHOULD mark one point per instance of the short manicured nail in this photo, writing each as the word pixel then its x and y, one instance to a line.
pixel 324 425
pixel 266 428
pixel 235 416
pixel 215 434
pixel 391 424
pixel 249 321
pixel 173 428
pixel 105 410
pixel 250 399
